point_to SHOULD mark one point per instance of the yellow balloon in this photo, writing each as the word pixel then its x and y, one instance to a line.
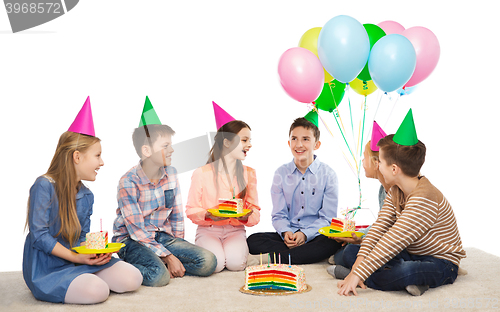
pixel 328 77
pixel 309 41
pixel 363 87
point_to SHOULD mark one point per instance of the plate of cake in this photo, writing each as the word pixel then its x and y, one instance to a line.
pixel 340 228
pixel 230 208
pixel 97 243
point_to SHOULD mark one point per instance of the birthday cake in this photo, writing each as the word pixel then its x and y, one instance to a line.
pixel 274 277
pixel 96 240
pixel 231 206
pixel 342 225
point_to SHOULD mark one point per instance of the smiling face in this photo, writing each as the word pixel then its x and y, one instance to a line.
pixel 87 164
pixel 161 154
pixel 241 144
pixel 302 143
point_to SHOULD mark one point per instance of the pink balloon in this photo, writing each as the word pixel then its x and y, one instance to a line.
pixel 391 27
pixel 427 48
pixel 301 74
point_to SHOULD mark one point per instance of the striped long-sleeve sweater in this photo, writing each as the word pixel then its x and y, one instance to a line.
pixel 424 224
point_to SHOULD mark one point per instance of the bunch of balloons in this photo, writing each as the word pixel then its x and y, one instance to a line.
pixel 385 56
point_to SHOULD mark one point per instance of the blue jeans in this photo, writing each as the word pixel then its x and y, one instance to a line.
pixel 338 257
pixel 406 269
pixel 196 260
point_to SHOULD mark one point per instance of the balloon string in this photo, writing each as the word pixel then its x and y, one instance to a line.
pixel 345 157
pixel 380 100
pixel 343 136
pixel 390 114
pixel 360 153
pixel 342 130
pixel 359 131
pixel 336 106
pixel 362 133
pixel 350 113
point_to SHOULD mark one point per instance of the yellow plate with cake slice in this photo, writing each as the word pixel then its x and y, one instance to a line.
pixel 111 247
pixel 326 231
pixel 216 213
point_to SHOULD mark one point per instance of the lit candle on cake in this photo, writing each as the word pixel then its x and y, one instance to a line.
pixel 279 258
pixel 274 258
pixel 268 259
pixel 261 258
pixel 289 261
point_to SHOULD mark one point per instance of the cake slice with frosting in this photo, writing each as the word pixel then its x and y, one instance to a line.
pixel 342 225
pixel 231 206
pixel 96 240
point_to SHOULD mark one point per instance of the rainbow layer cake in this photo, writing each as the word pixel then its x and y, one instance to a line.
pixel 279 277
pixel 96 240
pixel 342 225
pixel 231 206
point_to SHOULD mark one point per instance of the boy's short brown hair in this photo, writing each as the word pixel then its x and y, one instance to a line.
pixel 302 122
pixel 409 158
pixel 147 135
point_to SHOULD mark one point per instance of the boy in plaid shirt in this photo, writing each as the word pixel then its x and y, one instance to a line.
pixel 150 217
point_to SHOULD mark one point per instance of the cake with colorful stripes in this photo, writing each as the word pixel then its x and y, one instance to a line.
pixel 231 206
pixel 96 240
pixel 342 225
pixel 274 277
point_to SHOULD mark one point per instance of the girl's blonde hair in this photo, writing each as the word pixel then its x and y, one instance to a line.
pixel 62 171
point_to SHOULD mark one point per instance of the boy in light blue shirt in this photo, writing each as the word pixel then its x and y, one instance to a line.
pixel 305 199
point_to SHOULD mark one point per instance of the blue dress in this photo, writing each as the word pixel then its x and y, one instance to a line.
pixel 47 276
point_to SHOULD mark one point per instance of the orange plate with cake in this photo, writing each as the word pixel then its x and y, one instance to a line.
pixel 111 247
pixel 216 213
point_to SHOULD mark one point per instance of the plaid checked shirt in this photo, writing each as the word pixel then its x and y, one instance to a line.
pixel 145 208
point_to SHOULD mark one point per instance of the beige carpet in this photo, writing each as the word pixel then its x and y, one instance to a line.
pixel 478 290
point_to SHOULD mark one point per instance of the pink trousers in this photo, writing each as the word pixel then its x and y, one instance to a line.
pixel 227 242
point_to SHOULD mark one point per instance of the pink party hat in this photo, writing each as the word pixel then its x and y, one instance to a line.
pixel 221 117
pixel 84 123
pixel 377 134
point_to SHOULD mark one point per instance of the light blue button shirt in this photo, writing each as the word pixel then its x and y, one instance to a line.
pixel 305 202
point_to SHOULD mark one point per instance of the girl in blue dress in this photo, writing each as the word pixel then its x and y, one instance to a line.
pixel 59 210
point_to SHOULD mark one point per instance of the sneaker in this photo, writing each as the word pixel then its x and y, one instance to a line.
pixel 462 271
pixel 331 260
pixel 415 290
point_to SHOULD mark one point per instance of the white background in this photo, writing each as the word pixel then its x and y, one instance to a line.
pixel 184 54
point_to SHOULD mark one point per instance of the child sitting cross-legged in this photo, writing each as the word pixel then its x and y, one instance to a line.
pixel 414 244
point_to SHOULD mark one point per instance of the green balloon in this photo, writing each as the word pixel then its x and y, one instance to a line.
pixel 374 34
pixel 331 95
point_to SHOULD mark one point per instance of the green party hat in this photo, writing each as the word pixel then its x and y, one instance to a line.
pixel 406 134
pixel 149 116
pixel 312 116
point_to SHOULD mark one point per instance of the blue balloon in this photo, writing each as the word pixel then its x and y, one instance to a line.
pixel 392 62
pixel 343 47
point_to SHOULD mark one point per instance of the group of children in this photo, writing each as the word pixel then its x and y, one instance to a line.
pixel 414 244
